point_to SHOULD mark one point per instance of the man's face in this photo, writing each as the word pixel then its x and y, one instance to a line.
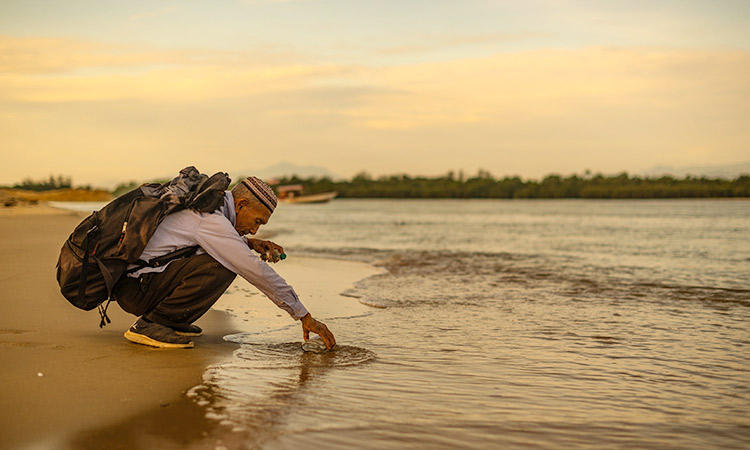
pixel 250 216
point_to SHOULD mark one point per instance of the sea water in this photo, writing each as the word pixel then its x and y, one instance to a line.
pixel 541 323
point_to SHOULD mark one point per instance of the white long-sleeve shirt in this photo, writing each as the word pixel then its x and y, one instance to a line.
pixel 216 235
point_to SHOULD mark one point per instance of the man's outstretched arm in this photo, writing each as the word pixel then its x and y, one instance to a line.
pixel 218 238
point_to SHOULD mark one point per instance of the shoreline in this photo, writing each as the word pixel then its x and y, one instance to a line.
pixel 90 377
pixel 96 389
pixel 183 424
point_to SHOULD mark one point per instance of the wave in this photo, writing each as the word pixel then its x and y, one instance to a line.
pixel 416 277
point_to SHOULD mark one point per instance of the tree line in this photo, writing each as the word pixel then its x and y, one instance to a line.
pixel 45 184
pixel 484 185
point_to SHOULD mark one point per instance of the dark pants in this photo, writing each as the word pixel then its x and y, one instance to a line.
pixel 182 293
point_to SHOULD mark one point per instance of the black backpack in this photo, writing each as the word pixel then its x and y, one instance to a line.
pixel 102 246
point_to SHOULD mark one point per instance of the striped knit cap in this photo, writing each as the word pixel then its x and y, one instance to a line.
pixel 261 191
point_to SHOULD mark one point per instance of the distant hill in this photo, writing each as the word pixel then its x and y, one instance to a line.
pixel 285 169
pixel 728 171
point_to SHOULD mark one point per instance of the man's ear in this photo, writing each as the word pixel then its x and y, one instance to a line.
pixel 242 203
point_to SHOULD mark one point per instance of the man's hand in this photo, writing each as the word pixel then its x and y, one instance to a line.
pixel 309 324
pixel 268 250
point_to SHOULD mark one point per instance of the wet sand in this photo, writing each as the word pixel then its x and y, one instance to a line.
pixel 96 390
pixel 61 373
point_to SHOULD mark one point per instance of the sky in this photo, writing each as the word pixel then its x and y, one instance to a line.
pixel 108 91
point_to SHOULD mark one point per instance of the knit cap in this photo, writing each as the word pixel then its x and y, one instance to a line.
pixel 262 192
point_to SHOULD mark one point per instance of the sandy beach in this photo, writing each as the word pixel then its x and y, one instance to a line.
pixel 69 384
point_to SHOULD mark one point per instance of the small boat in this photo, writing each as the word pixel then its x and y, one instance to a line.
pixel 292 193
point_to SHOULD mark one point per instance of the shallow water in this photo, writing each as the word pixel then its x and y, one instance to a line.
pixel 509 323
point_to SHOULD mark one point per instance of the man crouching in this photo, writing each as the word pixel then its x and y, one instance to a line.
pixel 170 298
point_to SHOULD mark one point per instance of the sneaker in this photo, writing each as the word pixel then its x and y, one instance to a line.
pixel 187 329
pixel 155 335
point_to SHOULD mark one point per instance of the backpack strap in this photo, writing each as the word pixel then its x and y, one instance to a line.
pixel 110 283
pixel 84 267
pixel 164 259
pixel 103 314
pixel 156 262
pixel 108 280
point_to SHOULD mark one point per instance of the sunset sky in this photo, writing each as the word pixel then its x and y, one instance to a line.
pixel 107 91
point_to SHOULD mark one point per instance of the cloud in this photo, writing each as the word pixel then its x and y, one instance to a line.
pixel 524 111
pixel 544 83
pixel 177 84
pixel 49 56
pixel 439 42
pixel 555 83
pixel 263 2
pixel 159 12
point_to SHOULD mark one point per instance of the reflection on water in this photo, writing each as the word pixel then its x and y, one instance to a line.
pixel 267 382
pixel 556 325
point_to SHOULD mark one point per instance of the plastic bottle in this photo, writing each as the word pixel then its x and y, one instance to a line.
pixel 274 255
